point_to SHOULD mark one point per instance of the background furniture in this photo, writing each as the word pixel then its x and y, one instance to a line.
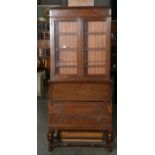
pixel 40 86
pixel 43 50
pixel 80 89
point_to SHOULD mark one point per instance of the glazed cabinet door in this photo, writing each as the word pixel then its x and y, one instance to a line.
pixel 96 48
pixel 65 48
pixel 80 48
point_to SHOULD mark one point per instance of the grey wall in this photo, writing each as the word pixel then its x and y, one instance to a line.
pixel 52 2
pixel 102 2
pixel 40 11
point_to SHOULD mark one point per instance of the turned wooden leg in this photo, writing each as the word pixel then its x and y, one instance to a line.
pixel 50 140
pixel 109 140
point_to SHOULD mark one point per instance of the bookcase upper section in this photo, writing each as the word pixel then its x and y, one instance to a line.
pixel 80 42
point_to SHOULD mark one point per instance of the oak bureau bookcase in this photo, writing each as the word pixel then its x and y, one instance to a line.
pixel 80 89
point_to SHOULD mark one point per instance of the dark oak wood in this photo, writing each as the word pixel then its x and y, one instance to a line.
pixel 80 114
pixel 50 140
pixel 76 12
pixel 80 89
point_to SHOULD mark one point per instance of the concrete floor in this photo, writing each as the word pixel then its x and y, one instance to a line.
pixel 42 144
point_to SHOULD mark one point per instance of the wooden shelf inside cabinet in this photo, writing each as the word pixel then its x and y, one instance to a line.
pixel 66 33
pixel 66 49
pixel 97 65
pixel 59 65
pixel 95 33
pixel 94 49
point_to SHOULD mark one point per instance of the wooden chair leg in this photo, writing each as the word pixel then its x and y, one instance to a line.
pixel 109 140
pixel 50 140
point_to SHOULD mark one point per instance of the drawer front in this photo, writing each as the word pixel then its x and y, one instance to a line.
pixel 83 115
pixel 80 91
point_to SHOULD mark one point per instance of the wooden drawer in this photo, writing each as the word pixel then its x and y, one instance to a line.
pixel 100 91
pixel 81 115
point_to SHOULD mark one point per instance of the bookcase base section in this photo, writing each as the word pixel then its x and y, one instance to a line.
pixel 79 138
